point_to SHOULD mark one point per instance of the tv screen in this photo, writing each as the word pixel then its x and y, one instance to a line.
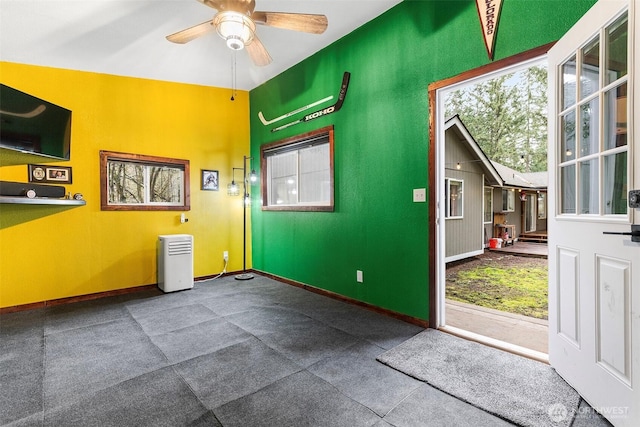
pixel 32 125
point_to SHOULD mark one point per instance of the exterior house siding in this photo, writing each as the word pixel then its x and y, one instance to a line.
pixel 464 235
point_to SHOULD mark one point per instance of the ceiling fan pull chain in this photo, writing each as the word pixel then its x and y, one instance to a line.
pixel 233 75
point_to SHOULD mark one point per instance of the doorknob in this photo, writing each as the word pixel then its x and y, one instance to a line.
pixel 634 233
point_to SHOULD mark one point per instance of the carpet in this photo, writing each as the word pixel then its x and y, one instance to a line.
pixel 515 388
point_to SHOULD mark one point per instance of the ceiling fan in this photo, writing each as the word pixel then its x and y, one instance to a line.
pixel 236 23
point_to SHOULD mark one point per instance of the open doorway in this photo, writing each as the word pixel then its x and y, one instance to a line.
pixel 491 182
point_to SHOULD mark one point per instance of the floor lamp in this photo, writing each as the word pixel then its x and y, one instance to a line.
pixel 246 201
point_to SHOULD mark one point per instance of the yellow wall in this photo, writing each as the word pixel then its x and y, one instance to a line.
pixel 50 252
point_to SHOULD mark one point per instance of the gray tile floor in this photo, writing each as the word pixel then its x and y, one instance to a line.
pixel 230 353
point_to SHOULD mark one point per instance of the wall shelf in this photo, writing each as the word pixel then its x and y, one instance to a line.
pixel 41 201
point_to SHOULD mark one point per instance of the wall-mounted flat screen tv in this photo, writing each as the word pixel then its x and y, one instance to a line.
pixel 32 125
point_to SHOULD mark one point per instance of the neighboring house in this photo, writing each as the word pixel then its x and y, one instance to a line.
pixel 468 172
pixel 482 194
pixel 523 202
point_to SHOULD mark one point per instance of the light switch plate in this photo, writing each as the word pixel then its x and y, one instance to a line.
pixel 419 195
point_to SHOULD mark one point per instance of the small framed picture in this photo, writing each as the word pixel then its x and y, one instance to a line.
pixel 209 180
pixel 50 174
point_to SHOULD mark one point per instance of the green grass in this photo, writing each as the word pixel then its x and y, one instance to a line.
pixel 520 290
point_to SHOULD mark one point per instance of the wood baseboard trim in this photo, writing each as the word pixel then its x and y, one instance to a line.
pixel 390 313
pixel 69 300
pixel 97 295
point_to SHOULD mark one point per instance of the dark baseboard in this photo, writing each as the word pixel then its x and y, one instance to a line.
pixel 69 300
pixel 405 318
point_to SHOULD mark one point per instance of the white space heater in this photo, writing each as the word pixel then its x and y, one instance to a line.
pixel 175 262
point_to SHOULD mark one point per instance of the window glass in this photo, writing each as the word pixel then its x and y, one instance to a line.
pixel 615 188
pixel 508 200
pixel 615 120
pixel 616 50
pixel 589 134
pixel 569 83
pixel 593 171
pixel 590 70
pixel 138 182
pixel 298 172
pixel 568 137
pixel 589 186
pixel 568 189
pixel 542 205
pixel 488 204
pixel 454 196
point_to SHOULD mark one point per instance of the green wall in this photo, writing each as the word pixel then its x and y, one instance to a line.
pixel 381 143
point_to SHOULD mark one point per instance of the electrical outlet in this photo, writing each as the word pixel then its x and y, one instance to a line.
pixel 359 277
pixel 420 195
pixel 225 255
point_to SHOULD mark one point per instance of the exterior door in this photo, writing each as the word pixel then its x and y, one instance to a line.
pixel 594 160
pixel 530 213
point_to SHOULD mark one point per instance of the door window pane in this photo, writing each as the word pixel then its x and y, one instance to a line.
pixel 569 83
pixel 616 50
pixel 615 184
pixel 589 133
pixel 615 120
pixel 589 187
pixel 590 71
pixel 568 137
pixel 568 189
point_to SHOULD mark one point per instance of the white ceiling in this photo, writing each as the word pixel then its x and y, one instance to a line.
pixel 127 37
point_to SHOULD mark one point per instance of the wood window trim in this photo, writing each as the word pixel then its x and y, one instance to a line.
pixel 292 140
pixel 105 156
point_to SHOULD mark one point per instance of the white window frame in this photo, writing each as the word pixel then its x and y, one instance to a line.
pixel 542 205
pixel 487 209
pixel 447 190
pixel 511 197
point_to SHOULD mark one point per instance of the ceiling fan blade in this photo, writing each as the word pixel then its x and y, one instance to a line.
pixel 215 4
pixel 308 23
pixel 189 34
pixel 258 53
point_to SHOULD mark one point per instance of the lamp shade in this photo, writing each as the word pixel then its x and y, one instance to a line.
pixel 233 189
pixel 235 28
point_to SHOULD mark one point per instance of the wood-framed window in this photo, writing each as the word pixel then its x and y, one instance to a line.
pixel 297 172
pixel 454 196
pixel 135 182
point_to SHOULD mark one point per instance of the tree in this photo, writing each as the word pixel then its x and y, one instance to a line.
pixel 507 117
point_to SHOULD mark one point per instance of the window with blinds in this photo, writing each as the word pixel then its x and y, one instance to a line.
pixel 298 172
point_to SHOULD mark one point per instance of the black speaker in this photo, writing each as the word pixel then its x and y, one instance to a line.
pixel 20 189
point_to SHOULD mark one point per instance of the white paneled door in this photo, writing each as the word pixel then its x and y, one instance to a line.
pixel 594 161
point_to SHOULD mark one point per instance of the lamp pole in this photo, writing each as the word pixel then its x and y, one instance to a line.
pixel 245 201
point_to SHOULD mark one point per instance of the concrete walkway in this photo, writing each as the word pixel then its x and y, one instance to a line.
pixel 520 330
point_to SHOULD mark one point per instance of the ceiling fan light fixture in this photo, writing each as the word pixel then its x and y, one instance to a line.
pixel 235 28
